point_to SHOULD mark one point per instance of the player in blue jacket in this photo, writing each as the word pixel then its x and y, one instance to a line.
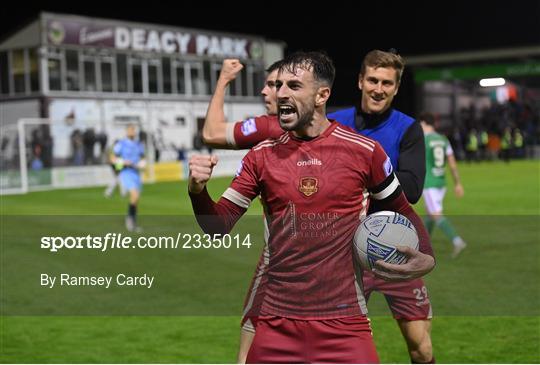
pixel 403 141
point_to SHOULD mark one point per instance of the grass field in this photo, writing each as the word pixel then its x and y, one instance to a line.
pixel 486 302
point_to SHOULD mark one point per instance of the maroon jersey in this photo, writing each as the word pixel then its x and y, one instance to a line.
pixel 249 132
pixel 314 193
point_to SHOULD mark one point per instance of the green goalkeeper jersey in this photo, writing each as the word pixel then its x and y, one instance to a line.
pixel 437 149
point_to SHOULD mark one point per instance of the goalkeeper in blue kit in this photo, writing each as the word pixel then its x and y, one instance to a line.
pixel 128 159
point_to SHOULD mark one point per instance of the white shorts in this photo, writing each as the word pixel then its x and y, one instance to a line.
pixel 433 198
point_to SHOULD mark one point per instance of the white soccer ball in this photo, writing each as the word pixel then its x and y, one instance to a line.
pixel 378 235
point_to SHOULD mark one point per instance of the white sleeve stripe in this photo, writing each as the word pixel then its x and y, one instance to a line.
pixel 336 134
pixel 449 150
pixel 248 326
pixel 229 134
pixel 387 191
pixel 356 135
pixel 237 198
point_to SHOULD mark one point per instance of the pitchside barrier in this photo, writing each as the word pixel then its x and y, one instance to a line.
pixel 41 154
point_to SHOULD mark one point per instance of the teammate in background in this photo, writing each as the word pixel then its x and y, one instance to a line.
pixel 331 310
pixel 220 134
pixel 129 159
pixel 438 152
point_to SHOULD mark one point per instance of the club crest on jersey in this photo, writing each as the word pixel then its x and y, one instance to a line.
pixel 248 127
pixel 387 166
pixel 308 185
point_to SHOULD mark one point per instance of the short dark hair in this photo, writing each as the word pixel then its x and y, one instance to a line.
pixel 427 118
pixel 378 58
pixel 274 66
pixel 318 62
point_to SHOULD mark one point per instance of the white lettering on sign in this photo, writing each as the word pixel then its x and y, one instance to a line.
pixel 139 39
pixel 225 47
pixel 121 38
pixel 183 41
pixel 167 42
pixel 202 44
pixel 87 36
pixel 153 42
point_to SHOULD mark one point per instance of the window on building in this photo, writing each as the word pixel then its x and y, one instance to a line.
pixel 18 70
pixel 215 71
pixel 243 84
pixel 179 77
pixel 167 75
pixel 121 64
pixel 154 76
pixel 4 73
pixel 200 80
pixel 136 77
pixel 207 82
pixel 72 70
pixel 258 76
pixel 107 75
pixel 34 69
pixel 54 71
pixel 233 86
pixel 89 67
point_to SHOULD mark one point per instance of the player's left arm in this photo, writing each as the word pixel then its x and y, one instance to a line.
pixel 458 188
pixel 411 170
pixel 419 262
pixel 387 190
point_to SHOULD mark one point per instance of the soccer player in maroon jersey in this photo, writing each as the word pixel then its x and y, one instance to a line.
pixel 379 81
pixel 408 301
pixel 313 309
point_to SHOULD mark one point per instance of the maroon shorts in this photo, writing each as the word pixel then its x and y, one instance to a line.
pixel 284 340
pixel 407 300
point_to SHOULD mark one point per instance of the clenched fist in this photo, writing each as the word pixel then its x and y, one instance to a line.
pixel 200 171
pixel 230 69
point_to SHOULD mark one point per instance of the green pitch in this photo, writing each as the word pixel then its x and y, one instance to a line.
pixel 486 302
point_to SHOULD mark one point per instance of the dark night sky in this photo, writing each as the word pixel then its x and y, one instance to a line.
pixel 346 33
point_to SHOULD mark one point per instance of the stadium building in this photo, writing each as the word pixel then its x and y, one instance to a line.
pixel 69 85
pixel 485 90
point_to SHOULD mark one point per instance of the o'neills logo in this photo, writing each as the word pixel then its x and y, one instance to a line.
pixel 310 162
pixel 308 186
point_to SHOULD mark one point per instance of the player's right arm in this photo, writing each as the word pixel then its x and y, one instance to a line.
pixel 214 132
pixel 458 188
pixel 220 217
pixel 412 163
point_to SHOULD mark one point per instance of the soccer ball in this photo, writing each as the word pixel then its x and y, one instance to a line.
pixel 378 235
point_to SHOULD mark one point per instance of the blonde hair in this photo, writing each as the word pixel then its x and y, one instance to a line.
pixel 378 58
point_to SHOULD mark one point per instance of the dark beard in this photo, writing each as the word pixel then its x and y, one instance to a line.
pixel 303 121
